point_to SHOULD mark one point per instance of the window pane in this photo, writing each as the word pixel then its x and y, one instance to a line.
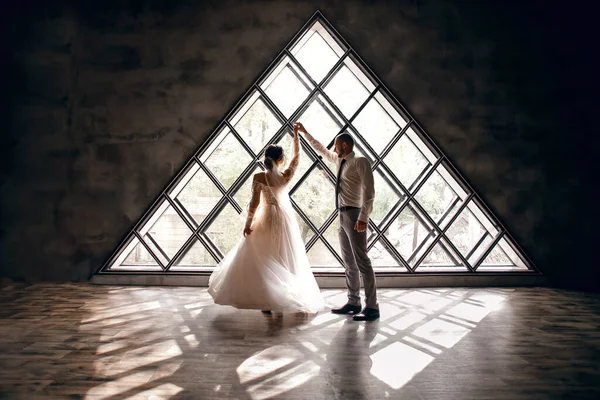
pixel 436 196
pixel 408 232
pixel 287 87
pixel 199 195
pixel 375 124
pixel 170 232
pixel 159 253
pixel 228 160
pixel 257 126
pixel 305 231
pixel 315 197
pixel 317 52
pixel 321 121
pixel 319 255
pixel 243 194
pixel 138 259
pixel 406 162
pixel 346 91
pixel 360 150
pixel 417 140
pixel 332 234
pixel 381 258
pixel 385 197
pixel 478 252
pixel 466 231
pixel 502 258
pixel 195 256
pixel 441 258
pixel 226 230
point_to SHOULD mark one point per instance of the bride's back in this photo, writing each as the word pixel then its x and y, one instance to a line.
pixel 272 184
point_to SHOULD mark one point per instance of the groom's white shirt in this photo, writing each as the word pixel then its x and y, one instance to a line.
pixel 357 186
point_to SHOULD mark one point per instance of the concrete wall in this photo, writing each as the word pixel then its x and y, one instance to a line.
pixel 108 100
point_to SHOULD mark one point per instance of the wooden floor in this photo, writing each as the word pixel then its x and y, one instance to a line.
pixel 105 342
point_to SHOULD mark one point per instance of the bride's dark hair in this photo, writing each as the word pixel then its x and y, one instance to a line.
pixel 273 154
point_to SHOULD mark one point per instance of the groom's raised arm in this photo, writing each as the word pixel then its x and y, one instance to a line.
pixel 318 146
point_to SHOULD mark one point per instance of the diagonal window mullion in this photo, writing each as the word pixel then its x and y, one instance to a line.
pixel 271 106
pixel 207 246
pixel 346 122
pixel 300 78
pixel 391 217
pixel 186 246
pixel 394 212
pixel 318 161
pixel 210 217
pixel 430 233
pixel 165 192
pixel 185 212
pixel 327 77
pixel 325 106
pixel 210 246
pixel 212 177
pixel 362 107
pixel 442 233
pixel 149 250
pixel 479 242
pixel 241 140
pixel 302 107
pixel 488 250
pixel 303 178
pixel 333 251
pixel 156 258
pixel 379 236
pixel 392 250
pixel 386 150
pixel 326 225
pixel 422 177
pixel 410 199
pixel 307 220
pixel 237 185
pixel 181 212
pixel 392 183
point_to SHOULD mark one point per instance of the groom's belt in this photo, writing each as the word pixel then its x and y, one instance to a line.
pixel 348 208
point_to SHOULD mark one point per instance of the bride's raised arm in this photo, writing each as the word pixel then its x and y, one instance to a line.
pixel 288 174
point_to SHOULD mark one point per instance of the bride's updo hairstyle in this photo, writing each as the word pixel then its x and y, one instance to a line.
pixel 273 154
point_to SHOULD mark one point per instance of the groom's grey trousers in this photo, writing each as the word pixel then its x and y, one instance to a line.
pixel 353 245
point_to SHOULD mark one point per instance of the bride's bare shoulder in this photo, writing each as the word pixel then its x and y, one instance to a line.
pixel 260 177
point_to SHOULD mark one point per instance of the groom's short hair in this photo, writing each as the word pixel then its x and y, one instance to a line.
pixel 346 138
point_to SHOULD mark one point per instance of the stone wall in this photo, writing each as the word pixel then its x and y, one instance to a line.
pixel 108 100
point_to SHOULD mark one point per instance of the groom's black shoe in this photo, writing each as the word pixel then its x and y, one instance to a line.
pixel 347 309
pixel 368 314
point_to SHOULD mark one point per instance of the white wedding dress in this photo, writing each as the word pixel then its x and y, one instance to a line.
pixel 269 269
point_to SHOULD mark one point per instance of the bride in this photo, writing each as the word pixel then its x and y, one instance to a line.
pixel 268 269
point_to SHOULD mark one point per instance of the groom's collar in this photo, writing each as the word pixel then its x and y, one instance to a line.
pixel 349 156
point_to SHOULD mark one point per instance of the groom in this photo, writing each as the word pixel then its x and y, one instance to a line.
pixel 354 195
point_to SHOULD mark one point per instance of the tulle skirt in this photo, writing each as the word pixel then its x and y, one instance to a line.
pixel 268 269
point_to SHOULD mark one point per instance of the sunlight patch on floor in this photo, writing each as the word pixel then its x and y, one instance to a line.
pixel 396 364
pixel 267 362
pixel 284 382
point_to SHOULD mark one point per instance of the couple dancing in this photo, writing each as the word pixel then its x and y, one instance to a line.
pixel 268 269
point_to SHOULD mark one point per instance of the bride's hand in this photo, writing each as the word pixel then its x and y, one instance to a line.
pixel 247 231
pixel 299 127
